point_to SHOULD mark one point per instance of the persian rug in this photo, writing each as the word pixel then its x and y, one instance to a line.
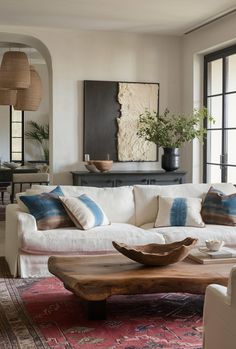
pixel 40 313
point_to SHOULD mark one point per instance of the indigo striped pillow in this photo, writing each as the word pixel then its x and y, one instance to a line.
pixel 47 209
pixel 84 212
pixel 179 211
pixel 219 208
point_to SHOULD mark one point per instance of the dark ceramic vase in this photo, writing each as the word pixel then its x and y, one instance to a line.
pixel 170 159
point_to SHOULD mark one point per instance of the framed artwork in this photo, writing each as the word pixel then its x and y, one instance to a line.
pixel 111 113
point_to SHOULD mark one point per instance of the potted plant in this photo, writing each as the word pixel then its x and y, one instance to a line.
pixel 171 131
pixel 40 134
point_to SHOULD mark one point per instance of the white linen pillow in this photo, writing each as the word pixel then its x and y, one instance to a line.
pixel 179 211
pixel 84 212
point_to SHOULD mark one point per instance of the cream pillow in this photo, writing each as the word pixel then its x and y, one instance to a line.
pixel 179 211
pixel 84 212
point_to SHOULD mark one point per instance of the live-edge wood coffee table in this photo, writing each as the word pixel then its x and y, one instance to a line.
pixel 95 278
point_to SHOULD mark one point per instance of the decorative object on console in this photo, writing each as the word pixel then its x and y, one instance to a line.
pixel 101 165
pixel 111 112
pixel 171 131
pixel 218 208
pixel 179 211
pixel 157 254
pixel 170 159
pixel 84 212
pixel 91 167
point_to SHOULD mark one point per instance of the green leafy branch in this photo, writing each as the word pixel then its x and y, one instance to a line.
pixel 170 130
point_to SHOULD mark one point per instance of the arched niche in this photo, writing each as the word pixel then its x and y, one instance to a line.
pixel 26 40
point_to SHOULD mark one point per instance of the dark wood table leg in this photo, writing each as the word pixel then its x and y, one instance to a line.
pixel 96 310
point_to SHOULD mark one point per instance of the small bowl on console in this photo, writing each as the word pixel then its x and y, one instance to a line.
pixel 214 245
pixel 102 165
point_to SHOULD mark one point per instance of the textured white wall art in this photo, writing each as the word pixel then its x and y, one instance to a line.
pixel 134 98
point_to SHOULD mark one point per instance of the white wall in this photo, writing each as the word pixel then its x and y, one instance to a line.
pixel 78 56
pixel 219 34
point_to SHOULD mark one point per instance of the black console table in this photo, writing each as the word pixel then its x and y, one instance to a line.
pixel 120 178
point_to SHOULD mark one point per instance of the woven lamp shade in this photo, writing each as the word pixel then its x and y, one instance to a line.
pixel 30 98
pixel 15 71
pixel 7 97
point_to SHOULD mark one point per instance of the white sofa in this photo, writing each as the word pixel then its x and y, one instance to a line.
pixel 132 211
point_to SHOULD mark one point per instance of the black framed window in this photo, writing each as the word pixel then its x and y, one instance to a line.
pixel 220 99
pixel 16 135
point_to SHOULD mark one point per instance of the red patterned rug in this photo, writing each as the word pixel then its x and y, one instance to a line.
pixel 42 314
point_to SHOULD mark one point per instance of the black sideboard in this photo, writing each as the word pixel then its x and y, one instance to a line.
pixel 120 178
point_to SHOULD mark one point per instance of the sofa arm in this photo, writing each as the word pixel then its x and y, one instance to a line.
pixel 17 222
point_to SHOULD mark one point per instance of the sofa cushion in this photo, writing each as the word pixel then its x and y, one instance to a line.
pixel 219 208
pixel 179 211
pixel 47 210
pixel 146 203
pixel 73 240
pixel 118 203
pixel 210 231
pixel 84 212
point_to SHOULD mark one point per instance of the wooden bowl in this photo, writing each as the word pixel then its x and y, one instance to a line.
pixel 157 254
pixel 102 165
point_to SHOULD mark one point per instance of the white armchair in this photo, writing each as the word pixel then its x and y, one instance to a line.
pixel 219 315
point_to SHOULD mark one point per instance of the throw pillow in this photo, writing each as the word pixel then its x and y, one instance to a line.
pixel 218 208
pixel 47 209
pixel 84 212
pixel 179 211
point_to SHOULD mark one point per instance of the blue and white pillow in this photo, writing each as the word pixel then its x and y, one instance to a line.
pixel 179 211
pixel 84 212
pixel 47 209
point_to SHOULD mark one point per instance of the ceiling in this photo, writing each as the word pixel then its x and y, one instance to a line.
pixel 172 17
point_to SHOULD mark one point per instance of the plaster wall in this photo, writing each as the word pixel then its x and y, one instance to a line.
pixel 217 35
pixel 76 56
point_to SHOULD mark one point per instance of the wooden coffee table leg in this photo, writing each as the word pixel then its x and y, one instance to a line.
pixel 96 310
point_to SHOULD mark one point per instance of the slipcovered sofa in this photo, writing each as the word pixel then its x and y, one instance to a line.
pixel 131 210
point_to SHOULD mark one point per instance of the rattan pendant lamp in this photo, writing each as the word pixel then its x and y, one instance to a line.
pixel 7 97
pixel 30 98
pixel 15 70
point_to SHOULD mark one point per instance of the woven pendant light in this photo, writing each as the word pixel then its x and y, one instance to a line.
pixel 7 97
pixel 15 71
pixel 30 98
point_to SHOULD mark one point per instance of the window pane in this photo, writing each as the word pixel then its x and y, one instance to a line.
pixel 16 157
pixel 214 105
pixel 16 115
pixel 214 144
pixel 16 144
pixel 230 110
pixel 213 174
pixel 16 130
pixel 231 146
pixel 231 175
pixel 215 77
pixel 231 73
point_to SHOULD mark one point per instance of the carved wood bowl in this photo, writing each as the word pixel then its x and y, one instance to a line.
pixel 157 254
pixel 102 165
